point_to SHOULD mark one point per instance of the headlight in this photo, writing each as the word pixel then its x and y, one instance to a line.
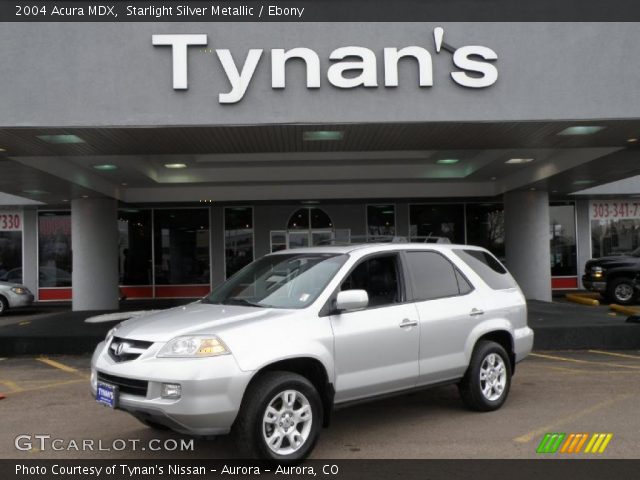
pixel 20 290
pixel 111 333
pixel 194 346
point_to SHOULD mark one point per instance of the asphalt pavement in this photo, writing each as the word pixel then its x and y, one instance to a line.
pixel 567 392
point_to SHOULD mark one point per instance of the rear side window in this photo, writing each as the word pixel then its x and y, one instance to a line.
pixel 488 268
pixel 434 276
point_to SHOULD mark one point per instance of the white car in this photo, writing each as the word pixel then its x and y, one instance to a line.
pixel 272 351
pixel 13 295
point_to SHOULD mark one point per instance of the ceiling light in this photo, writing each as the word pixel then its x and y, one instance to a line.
pixel 581 130
pixel 517 161
pixel 309 202
pixel 175 165
pixel 322 135
pixel 105 167
pixel 85 196
pixel 61 139
pixel 447 161
pixel 3 149
pixel 630 140
pixel 65 200
pixel 583 182
pixel 35 192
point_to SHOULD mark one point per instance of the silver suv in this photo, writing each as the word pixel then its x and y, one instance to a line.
pixel 272 351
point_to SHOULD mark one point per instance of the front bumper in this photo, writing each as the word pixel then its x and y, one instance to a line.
pixel 212 389
pixel 598 285
pixel 16 301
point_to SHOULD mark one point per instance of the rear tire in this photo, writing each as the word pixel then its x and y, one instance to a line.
pixel 485 385
pixel 280 418
pixel 4 305
pixel 622 291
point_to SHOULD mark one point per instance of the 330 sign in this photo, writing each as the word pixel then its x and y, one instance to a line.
pixel 10 221
pixel 622 209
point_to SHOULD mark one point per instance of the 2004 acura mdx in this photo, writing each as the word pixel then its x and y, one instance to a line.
pixel 270 352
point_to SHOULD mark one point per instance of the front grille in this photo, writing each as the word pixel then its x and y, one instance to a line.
pixel 125 385
pixel 124 349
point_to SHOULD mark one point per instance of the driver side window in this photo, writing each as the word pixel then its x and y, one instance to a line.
pixel 379 276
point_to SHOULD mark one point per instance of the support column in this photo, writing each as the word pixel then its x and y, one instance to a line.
pixel 583 236
pixel 528 255
pixel 30 249
pixel 94 242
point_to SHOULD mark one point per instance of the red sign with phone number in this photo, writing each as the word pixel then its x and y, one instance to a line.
pixel 614 209
pixel 10 221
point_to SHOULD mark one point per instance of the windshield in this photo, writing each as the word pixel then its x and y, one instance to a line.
pixel 279 281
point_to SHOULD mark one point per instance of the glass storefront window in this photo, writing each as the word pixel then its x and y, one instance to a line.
pixel 614 236
pixel 11 257
pixel 54 249
pixel 381 220
pixel 436 221
pixel 238 238
pixel 134 247
pixel 181 244
pixel 485 227
pixel 562 233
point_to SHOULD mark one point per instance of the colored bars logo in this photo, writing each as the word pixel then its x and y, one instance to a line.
pixel 573 443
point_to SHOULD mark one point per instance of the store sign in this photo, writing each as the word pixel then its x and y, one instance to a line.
pixel 351 66
pixel 616 209
pixel 10 221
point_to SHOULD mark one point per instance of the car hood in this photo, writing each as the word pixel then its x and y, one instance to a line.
pixel 4 285
pixel 613 261
pixel 195 318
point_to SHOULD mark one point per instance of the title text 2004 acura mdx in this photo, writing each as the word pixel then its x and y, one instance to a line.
pixel 269 353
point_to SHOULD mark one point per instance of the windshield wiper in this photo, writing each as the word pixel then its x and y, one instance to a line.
pixel 241 301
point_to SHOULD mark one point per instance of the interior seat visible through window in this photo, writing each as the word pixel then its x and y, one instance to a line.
pixel 379 277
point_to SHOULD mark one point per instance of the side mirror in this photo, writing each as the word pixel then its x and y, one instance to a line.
pixel 348 300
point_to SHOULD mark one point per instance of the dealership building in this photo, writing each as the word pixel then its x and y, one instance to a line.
pixel 157 159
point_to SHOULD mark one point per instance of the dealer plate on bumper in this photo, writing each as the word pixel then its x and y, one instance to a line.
pixel 107 394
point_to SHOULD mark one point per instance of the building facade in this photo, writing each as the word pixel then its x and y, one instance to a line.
pixel 157 159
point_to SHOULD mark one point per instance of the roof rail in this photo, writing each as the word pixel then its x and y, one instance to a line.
pixel 359 239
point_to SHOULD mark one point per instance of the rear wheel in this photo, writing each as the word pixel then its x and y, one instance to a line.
pixel 4 305
pixel 485 386
pixel 622 291
pixel 280 418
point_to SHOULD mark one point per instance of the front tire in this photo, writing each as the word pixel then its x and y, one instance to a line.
pixel 485 385
pixel 280 418
pixel 622 291
pixel 4 305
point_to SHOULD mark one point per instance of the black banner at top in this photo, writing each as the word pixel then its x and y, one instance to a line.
pixel 320 11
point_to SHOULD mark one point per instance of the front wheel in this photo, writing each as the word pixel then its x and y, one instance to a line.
pixel 280 418
pixel 4 305
pixel 486 384
pixel 622 291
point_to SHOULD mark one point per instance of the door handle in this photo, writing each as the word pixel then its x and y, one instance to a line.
pixel 475 312
pixel 408 323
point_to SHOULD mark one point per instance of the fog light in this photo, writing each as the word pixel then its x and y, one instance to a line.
pixel 171 390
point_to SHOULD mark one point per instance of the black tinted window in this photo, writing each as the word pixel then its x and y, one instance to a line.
pixel 379 277
pixel 488 268
pixel 434 276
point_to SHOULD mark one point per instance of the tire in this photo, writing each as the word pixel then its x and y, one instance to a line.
pixel 621 291
pixel 251 431
pixel 487 358
pixel 4 305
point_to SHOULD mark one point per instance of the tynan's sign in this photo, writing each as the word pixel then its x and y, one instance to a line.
pixel 473 62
